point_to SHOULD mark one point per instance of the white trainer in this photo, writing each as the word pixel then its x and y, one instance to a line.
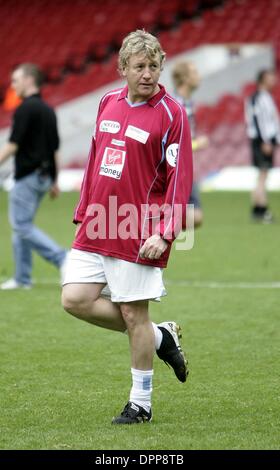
pixel 12 284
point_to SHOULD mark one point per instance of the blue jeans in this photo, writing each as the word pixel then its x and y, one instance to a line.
pixel 24 200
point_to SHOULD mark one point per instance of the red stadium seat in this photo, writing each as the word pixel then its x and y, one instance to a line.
pixel 68 39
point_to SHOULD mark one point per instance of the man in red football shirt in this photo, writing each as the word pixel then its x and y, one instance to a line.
pixel 133 199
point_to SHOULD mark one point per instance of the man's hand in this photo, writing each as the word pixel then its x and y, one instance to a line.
pixel 202 142
pixel 54 191
pixel 267 148
pixel 153 247
pixel 8 149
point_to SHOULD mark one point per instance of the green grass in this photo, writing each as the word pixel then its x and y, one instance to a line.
pixel 62 380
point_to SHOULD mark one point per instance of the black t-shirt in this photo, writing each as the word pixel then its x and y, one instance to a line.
pixel 35 132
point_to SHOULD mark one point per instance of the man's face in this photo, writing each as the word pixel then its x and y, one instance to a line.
pixel 270 80
pixel 142 75
pixel 19 82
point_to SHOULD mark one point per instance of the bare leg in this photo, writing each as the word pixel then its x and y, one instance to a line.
pixel 140 332
pixel 259 196
pixel 84 302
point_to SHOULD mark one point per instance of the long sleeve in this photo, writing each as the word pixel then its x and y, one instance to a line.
pixel 179 177
pixel 81 208
pixel 85 188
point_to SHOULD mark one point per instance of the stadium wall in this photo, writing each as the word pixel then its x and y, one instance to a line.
pixel 221 73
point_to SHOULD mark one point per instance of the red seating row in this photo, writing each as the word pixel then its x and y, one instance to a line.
pixel 237 22
pixel 67 34
pixel 224 124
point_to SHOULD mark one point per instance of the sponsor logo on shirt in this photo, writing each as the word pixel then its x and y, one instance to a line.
pixel 112 163
pixel 137 134
pixel 120 143
pixel 112 127
pixel 171 154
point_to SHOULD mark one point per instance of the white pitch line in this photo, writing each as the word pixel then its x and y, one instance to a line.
pixel 40 281
pixel 182 283
pixel 224 285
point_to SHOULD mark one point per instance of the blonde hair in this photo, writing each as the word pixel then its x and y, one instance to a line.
pixel 180 72
pixel 136 42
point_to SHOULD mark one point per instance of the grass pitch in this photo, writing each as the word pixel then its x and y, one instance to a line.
pixel 62 380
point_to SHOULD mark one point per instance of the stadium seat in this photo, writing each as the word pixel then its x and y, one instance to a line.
pixel 76 48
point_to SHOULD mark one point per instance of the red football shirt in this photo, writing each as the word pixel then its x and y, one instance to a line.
pixel 138 176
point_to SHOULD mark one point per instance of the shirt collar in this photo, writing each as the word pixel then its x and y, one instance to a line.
pixel 152 101
pixel 38 95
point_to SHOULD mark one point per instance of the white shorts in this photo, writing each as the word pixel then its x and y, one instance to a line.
pixel 126 281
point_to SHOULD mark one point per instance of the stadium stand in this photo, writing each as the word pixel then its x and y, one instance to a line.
pixel 76 36
pixel 72 37
pixel 76 46
pixel 224 123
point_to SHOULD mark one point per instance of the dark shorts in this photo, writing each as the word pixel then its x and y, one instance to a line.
pixel 195 196
pixel 259 159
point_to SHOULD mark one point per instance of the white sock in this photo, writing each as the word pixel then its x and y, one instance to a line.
pixel 158 336
pixel 157 333
pixel 142 387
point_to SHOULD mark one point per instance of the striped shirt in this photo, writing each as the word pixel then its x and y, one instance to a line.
pixel 262 118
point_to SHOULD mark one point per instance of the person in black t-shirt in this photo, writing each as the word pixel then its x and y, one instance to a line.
pixel 34 141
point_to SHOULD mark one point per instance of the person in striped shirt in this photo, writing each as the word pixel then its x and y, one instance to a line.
pixel 263 130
